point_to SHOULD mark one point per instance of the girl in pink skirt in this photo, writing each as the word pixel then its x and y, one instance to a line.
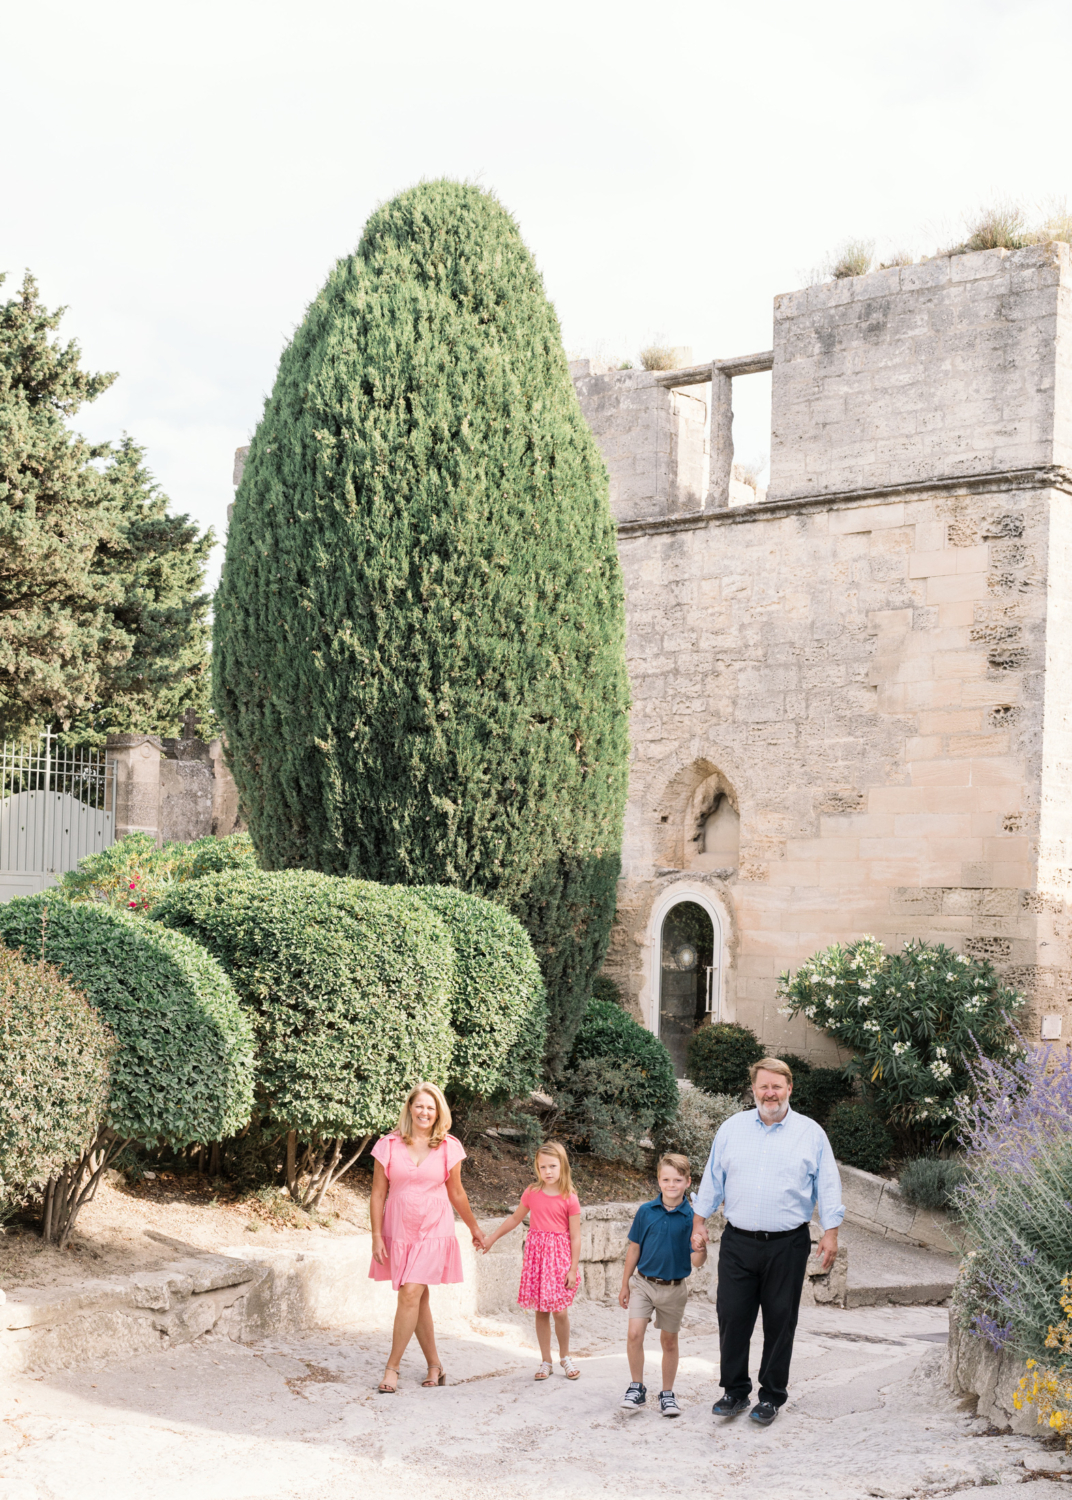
pixel 552 1251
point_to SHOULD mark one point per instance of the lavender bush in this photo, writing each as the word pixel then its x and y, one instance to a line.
pixel 913 1021
pixel 1016 1198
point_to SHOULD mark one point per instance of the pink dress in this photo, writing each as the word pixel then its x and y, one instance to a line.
pixel 547 1251
pixel 418 1221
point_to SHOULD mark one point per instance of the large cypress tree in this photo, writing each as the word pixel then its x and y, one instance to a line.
pixel 419 644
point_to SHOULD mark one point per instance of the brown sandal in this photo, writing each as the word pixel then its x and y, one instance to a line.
pixel 429 1383
pixel 388 1390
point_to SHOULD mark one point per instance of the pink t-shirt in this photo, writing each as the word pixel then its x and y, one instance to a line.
pixel 547 1214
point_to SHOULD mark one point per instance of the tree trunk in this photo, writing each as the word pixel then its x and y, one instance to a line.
pixel 76 1185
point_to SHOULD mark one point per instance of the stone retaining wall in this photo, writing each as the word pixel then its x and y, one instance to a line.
pixel 248 1291
pixel 973 1368
pixel 879 1205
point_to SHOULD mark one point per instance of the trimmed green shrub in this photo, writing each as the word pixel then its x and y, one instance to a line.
pixel 54 1068
pixel 718 1057
pixel 610 1034
pixel 858 1137
pixel 183 1065
pixel 816 1090
pixel 604 988
pixel 930 1181
pixel 135 872
pixel 349 987
pixel 695 1125
pixel 914 1020
pixel 419 633
pixel 498 1009
pixel 600 1107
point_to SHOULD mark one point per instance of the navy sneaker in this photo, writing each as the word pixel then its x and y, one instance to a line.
pixel 668 1404
pixel 764 1413
pixel 730 1406
pixel 635 1397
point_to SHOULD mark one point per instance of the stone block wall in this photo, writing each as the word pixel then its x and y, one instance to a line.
pixel 177 789
pixel 876 668
pixel 957 366
pixel 653 440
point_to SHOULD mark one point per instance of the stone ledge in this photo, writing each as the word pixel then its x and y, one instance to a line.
pixel 877 1204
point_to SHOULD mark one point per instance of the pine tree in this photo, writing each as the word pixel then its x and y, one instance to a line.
pixel 420 627
pixel 101 622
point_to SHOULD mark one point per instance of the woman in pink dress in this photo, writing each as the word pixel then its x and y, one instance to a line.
pixel 416 1186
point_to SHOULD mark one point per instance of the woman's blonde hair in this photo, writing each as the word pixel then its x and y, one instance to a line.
pixel 442 1119
pixel 565 1176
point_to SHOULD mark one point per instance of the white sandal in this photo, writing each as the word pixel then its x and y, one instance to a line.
pixel 545 1371
pixel 569 1368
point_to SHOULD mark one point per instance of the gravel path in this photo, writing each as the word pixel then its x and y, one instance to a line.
pixel 868 1416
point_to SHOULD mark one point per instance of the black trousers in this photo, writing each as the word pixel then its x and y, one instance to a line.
pixel 754 1274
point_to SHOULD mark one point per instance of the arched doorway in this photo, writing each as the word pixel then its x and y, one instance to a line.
pixel 690 947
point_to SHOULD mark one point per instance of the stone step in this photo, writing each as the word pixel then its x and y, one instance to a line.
pixel 884 1271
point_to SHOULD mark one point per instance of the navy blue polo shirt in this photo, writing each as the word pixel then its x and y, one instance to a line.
pixel 664 1236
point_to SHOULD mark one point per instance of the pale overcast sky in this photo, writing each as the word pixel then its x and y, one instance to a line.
pixel 183 176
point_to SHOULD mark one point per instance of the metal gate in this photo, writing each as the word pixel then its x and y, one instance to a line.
pixel 56 806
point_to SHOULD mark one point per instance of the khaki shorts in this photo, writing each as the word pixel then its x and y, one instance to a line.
pixel 666 1302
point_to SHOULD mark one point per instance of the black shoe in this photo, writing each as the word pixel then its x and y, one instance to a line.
pixel 764 1413
pixel 730 1406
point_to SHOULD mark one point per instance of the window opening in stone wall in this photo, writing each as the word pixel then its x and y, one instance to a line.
pixel 688 977
pixel 750 473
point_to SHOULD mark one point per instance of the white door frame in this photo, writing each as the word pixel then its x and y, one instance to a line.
pixel 670 898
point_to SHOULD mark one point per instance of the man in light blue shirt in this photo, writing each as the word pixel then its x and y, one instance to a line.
pixel 769 1169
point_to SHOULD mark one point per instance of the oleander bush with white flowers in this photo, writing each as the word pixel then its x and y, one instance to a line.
pixel 913 1021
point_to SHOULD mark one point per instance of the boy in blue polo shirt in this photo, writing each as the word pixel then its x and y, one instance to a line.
pixel 661 1254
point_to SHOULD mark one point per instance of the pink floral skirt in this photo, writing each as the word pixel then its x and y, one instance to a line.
pixel 543 1272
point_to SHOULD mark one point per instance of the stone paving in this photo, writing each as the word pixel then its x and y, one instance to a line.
pixel 869 1415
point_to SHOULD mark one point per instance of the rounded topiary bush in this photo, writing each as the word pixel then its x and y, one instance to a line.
pixel 349 986
pixel 815 1090
pixel 182 1071
pixel 610 1034
pixel 54 1067
pixel 858 1137
pixel 718 1057
pixel 183 1065
pixel 498 1009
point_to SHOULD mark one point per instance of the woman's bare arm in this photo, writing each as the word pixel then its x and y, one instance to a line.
pixel 459 1201
pixel 376 1203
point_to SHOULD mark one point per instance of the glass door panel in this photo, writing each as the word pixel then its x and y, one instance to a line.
pixel 688 978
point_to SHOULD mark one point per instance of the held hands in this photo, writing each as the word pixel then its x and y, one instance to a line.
pixel 699 1239
pixel 480 1243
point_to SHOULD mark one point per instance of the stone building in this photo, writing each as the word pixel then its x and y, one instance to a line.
pixel 852 696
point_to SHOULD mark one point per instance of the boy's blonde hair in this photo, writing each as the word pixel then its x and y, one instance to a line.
pixel 442 1119
pixel 565 1176
pixel 677 1162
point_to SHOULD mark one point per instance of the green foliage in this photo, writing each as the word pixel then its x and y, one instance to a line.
pixel 348 984
pixel 646 1085
pixel 858 1137
pixel 135 872
pixel 718 1057
pixel 605 989
pixel 929 1181
pixel 695 1125
pixel 498 1009
pixel 913 1020
pixel 419 633
pixel 601 1107
pixel 815 1090
pixel 54 1067
pixel 101 623
pixel 183 1066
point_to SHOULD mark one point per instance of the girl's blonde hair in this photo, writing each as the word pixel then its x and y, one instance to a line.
pixel 442 1119
pixel 565 1177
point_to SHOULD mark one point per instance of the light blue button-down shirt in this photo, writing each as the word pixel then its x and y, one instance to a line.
pixel 771 1176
